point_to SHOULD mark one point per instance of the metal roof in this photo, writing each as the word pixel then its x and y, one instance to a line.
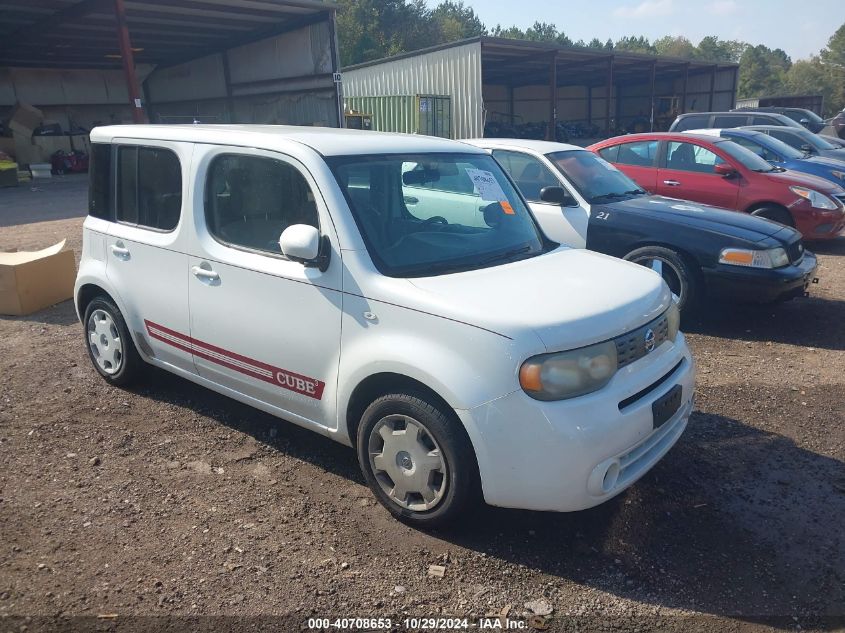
pixel 523 62
pixel 83 34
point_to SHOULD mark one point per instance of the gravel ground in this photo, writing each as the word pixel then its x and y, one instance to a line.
pixel 170 500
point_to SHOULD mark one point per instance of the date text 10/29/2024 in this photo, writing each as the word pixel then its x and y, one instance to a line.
pixel 417 624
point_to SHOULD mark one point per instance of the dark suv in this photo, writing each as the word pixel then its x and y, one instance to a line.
pixel 722 120
pixel 807 118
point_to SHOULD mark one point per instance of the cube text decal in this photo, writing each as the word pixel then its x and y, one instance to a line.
pixel 283 378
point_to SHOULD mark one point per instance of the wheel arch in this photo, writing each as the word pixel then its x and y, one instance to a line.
pixel 750 209
pixel 687 255
pixel 380 384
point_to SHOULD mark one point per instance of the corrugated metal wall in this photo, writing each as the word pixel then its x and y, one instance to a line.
pixel 452 71
pixel 390 113
pixel 285 79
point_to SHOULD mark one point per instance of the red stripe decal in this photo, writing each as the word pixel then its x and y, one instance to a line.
pixel 257 369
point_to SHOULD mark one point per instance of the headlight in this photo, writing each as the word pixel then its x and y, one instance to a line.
pixel 838 174
pixel 817 200
pixel 772 258
pixel 673 320
pixel 563 375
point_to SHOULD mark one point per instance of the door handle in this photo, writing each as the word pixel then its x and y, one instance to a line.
pixel 671 183
pixel 411 200
pixel 120 251
pixel 205 274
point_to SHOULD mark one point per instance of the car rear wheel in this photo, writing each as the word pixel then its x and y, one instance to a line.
pixel 417 459
pixel 675 271
pixel 110 347
pixel 776 214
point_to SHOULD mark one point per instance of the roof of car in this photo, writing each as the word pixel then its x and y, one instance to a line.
pixel 730 130
pixel 657 136
pixel 327 141
pixel 543 147
pixel 778 128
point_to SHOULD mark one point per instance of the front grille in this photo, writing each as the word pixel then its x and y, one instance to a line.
pixel 632 346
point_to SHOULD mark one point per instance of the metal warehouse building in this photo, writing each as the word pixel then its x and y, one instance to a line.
pixel 83 63
pixel 456 89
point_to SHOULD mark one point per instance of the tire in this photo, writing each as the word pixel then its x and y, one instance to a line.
pixel 776 214
pixel 440 462
pixel 678 274
pixel 110 347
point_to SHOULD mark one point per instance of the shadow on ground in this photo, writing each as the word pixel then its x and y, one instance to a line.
pixel 733 522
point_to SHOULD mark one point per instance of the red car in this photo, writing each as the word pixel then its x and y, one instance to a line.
pixel 719 172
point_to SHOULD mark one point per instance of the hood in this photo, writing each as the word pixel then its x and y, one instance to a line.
pixel 834 154
pixel 826 161
pixel 700 216
pixel 801 179
pixel 568 298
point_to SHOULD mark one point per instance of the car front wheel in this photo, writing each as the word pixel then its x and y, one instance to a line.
pixel 675 271
pixel 417 459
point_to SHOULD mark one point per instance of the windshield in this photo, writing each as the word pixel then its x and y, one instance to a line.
pixel 766 142
pixel 745 157
pixel 431 214
pixel 814 139
pixel 594 177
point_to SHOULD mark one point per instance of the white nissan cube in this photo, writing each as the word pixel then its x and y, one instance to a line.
pixel 391 292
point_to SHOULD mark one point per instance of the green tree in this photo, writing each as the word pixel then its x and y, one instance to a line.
pixel 712 49
pixel 834 53
pixel 635 44
pixel 455 21
pixel 762 71
pixel 811 76
pixel 674 46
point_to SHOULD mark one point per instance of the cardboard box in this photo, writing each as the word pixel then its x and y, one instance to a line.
pixel 34 280
pixel 25 118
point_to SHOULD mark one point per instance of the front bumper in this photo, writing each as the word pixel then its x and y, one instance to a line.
pixel 575 454
pixel 818 224
pixel 761 285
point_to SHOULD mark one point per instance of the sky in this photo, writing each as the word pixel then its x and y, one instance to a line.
pixel 799 28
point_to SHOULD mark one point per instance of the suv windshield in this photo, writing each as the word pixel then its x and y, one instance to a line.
pixel 744 156
pixel 431 214
pixel 594 177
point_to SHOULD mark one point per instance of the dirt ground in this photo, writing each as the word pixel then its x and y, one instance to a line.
pixel 168 500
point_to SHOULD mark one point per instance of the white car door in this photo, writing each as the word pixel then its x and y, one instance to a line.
pixel 145 248
pixel 567 223
pixel 261 324
pixel 437 198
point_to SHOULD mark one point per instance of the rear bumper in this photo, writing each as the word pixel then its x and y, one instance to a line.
pixel 758 285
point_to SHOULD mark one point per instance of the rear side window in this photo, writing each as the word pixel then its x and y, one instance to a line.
pixel 610 153
pixel 692 123
pixel 764 120
pixel 250 200
pixel 99 181
pixel 639 154
pixel 729 120
pixel 149 187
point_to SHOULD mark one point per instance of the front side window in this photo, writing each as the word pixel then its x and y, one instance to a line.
pixel 690 157
pixel 251 200
pixel 744 156
pixel 756 147
pixel 149 187
pixel 412 228
pixel 594 178
pixel 639 153
pixel 530 175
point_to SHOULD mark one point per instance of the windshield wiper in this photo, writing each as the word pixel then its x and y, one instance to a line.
pixel 613 195
pixel 506 255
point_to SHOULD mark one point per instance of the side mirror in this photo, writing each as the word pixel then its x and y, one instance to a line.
pixel 808 148
pixel 556 195
pixel 804 121
pixel 302 243
pixel 724 170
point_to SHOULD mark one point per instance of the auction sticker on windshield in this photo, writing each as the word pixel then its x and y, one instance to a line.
pixel 486 184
